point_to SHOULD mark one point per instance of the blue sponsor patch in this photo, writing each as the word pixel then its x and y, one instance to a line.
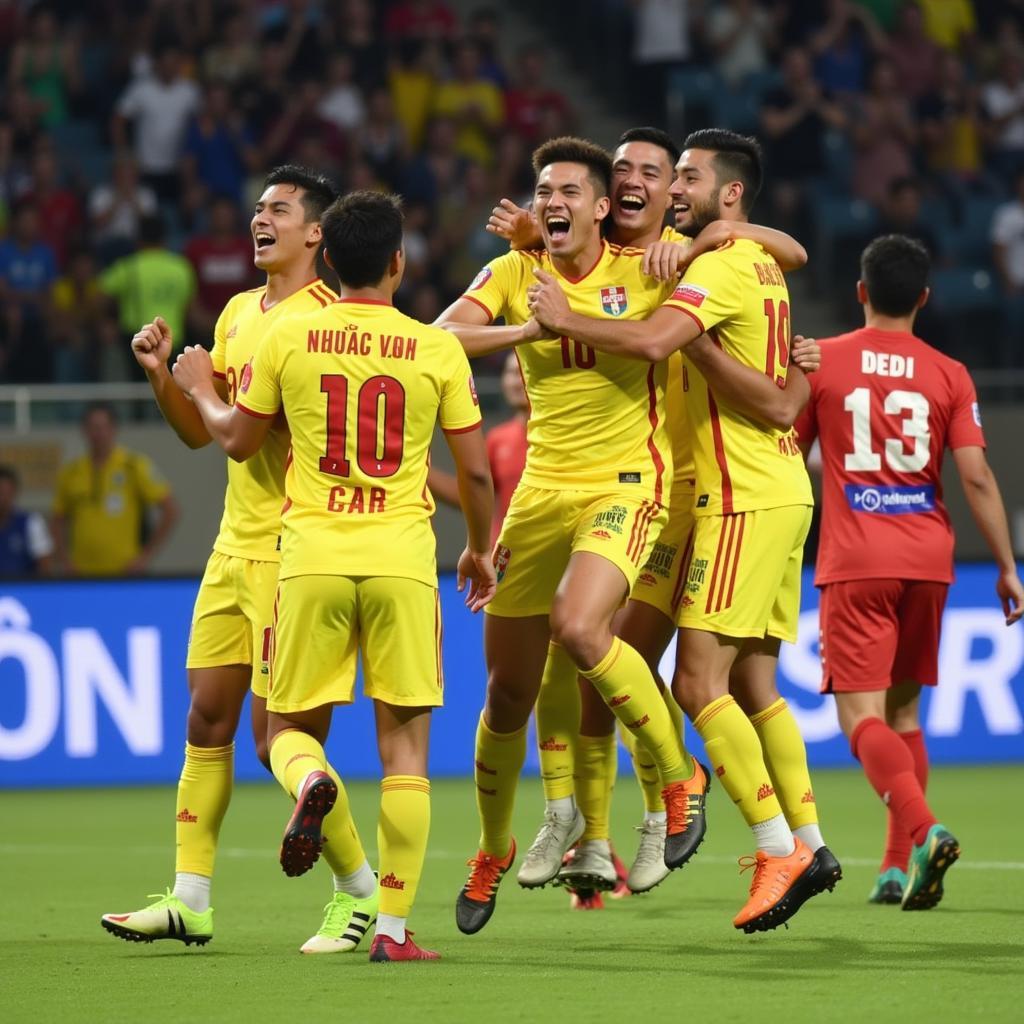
pixel 891 501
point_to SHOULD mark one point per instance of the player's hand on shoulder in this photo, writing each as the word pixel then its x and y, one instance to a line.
pixel 806 353
pixel 193 368
pixel 516 225
pixel 151 344
pixel 547 302
pixel 665 261
pixel 476 568
pixel 1011 594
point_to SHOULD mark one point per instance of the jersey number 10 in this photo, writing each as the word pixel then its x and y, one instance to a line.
pixel 380 426
pixel 863 458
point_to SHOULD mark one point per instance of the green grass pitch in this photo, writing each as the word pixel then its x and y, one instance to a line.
pixel 671 955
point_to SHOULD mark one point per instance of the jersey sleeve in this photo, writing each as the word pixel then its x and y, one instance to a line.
pixel 965 422
pixel 152 485
pixel 460 407
pixel 259 391
pixel 218 354
pixel 709 291
pixel 494 285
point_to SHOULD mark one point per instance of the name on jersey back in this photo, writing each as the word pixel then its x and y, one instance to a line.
pixel 349 341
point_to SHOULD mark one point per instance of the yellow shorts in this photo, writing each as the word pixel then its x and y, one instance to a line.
pixel 323 622
pixel 542 528
pixel 233 615
pixel 663 576
pixel 744 576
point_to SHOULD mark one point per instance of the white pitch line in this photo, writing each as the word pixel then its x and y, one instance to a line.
pixel 269 853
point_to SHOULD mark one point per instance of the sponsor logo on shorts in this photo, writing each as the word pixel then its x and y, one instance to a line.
pixel 648 579
pixel 695 577
pixel 762 794
pixel 502 556
pixel 687 602
pixel 808 797
pixel 638 723
pixel 702 500
pixel 614 300
pixel 613 518
pixel 617 702
pixel 629 478
pixel 661 560
pixel 552 744
pixel 691 294
pixel 891 501
pixel 389 881
pixel 481 767
pixel 601 534
pixel 186 816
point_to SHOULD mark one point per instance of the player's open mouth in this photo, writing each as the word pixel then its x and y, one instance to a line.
pixel 681 208
pixel 263 240
pixel 631 203
pixel 558 228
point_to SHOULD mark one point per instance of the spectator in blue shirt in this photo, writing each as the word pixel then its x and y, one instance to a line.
pixel 26 548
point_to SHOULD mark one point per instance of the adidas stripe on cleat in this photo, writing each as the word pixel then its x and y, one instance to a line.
pixel 384 950
pixel 167 918
pixel 928 863
pixel 346 920
pixel 302 841
pixel 475 903
pixel 686 819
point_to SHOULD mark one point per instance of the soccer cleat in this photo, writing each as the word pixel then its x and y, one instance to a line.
pixel 300 847
pixel 687 823
pixel 543 859
pixel 585 899
pixel 384 950
pixel 888 887
pixel 167 918
pixel 649 867
pixel 781 885
pixel 475 903
pixel 346 920
pixel 590 867
pixel 926 867
pixel 621 890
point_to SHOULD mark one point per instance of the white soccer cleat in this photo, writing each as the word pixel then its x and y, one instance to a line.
pixel 648 869
pixel 590 867
pixel 167 918
pixel 544 858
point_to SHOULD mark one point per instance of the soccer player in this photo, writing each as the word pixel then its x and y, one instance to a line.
pixel 753 505
pixel 885 407
pixel 229 643
pixel 362 387
pixel 582 761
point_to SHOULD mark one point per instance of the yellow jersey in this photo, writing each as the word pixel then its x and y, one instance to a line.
pixel 678 420
pixel 251 525
pixel 104 507
pixel 362 386
pixel 597 422
pixel 738 295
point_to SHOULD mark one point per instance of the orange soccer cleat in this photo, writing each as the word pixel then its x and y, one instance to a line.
pixel 780 887
pixel 475 902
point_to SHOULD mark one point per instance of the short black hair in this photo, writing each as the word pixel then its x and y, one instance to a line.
pixel 656 137
pixel 100 406
pixel 737 158
pixel 362 231
pixel 9 473
pixel 318 191
pixel 568 149
pixel 894 269
pixel 151 228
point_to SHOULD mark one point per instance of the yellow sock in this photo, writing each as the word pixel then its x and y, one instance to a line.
pixel 402 840
pixel 624 680
pixel 204 792
pixel 499 760
pixel 558 723
pixel 646 771
pixel 735 753
pixel 293 755
pixel 786 758
pixel 342 849
pixel 596 766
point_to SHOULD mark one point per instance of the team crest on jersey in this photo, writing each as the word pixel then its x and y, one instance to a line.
pixel 691 294
pixel 472 390
pixel 614 300
pixel 480 280
pixel 502 556
pixel 246 377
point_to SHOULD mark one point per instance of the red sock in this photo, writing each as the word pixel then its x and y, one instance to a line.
pixel 889 766
pixel 897 842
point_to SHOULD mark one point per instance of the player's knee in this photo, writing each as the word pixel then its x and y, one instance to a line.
pixel 263 752
pixel 208 725
pixel 507 708
pixel 582 639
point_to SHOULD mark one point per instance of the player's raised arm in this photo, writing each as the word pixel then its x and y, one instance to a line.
pixel 152 346
pixel 471 324
pixel 652 339
pixel 240 434
pixel 986 503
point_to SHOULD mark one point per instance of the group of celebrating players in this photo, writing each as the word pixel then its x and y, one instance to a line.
pixel 664 490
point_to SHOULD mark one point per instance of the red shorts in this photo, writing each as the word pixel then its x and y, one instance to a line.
pixel 879 633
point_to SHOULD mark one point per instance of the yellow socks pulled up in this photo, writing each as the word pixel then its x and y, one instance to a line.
pixel 204 792
pixel 293 755
pixel 785 756
pixel 596 767
pixel 497 765
pixel 558 723
pixel 402 831
pixel 624 680
pixel 735 753
pixel 646 771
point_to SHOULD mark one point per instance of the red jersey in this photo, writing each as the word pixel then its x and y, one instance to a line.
pixel 886 406
pixel 223 269
pixel 506 452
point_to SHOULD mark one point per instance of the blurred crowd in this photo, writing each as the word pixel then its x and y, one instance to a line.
pixel 133 139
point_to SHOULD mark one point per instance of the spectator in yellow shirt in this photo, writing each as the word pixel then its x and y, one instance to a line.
pixel 475 104
pixel 99 510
